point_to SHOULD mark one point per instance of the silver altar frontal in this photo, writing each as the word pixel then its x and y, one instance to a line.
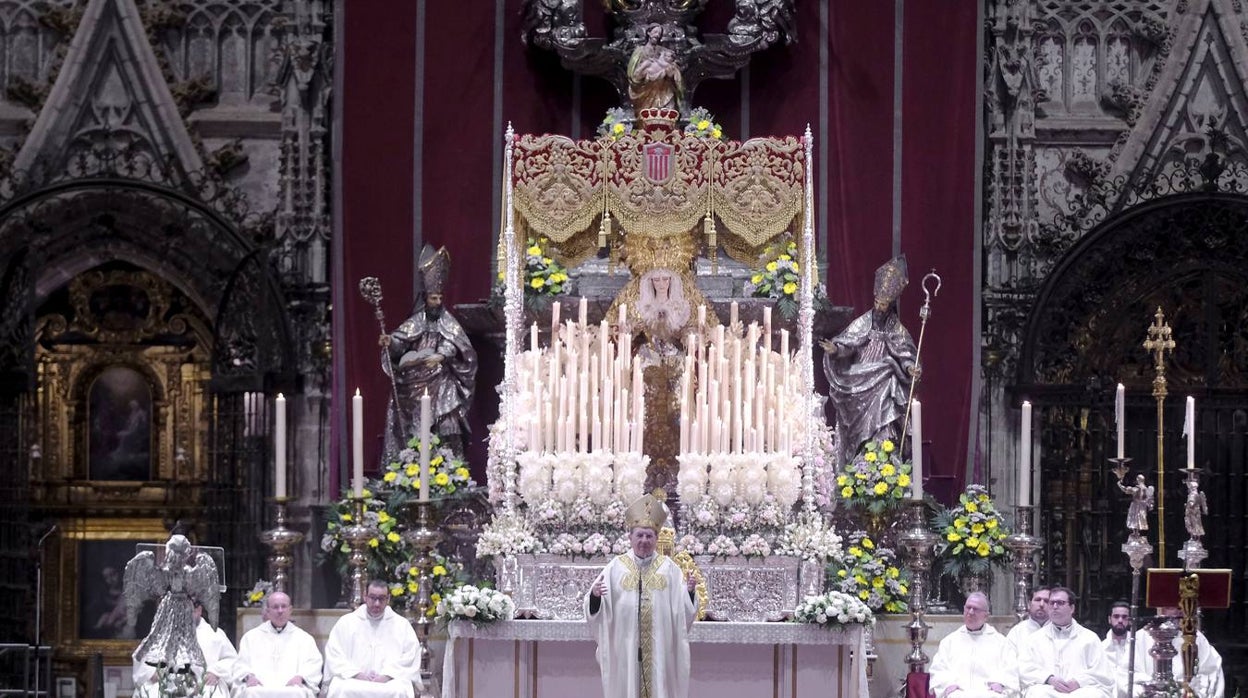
pixel 531 658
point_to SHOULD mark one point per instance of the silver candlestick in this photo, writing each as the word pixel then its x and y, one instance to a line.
pixel 423 537
pixel 918 545
pixel 1023 546
pixel 1163 631
pixel 1193 553
pixel 1137 549
pixel 357 535
pixel 281 541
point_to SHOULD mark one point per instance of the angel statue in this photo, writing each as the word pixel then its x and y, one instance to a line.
pixel 186 574
pixel 1141 501
pixel 1194 509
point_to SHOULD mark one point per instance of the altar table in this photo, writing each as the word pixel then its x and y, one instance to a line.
pixel 552 658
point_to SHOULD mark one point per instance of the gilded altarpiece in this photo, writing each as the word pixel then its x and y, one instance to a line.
pixel 121 412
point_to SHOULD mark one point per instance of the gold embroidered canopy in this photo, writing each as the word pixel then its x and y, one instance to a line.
pixel 658 182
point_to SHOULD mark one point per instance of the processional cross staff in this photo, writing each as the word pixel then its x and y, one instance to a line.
pixel 1159 342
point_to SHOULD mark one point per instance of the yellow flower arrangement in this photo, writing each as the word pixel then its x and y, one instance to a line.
pixel 974 533
pixel 778 278
pixel 869 573
pixel 876 480
pixel 702 124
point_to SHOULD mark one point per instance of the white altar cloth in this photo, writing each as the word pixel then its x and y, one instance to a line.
pixel 541 658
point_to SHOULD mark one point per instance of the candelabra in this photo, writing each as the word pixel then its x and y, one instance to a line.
pixel 357 535
pixel 423 537
pixel 918 546
pixel 1023 546
pixel 1193 553
pixel 1137 550
pixel 281 542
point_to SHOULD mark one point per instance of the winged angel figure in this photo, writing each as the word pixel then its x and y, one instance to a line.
pixel 186 574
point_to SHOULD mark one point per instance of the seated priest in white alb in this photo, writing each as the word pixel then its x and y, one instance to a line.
pixel 1063 657
pixel 1207 680
pixel 974 661
pixel 1037 616
pixel 372 651
pixel 277 659
pixel 219 658
pixel 1117 645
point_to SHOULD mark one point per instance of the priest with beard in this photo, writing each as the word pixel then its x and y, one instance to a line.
pixel 1117 644
pixel 430 354
pixel 974 661
pixel 640 610
pixel 372 651
pixel 1037 616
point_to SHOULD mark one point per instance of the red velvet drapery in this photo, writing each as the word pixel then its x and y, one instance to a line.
pixel 421 131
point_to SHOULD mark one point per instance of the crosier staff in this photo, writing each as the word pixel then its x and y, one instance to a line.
pixel 924 313
pixel 370 288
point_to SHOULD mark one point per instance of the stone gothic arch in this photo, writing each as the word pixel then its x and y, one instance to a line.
pixel 1084 333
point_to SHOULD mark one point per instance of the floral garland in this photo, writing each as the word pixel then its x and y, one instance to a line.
pixel 475 604
pixel 833 610
pixel 871 574
pixel 974 533
pixel 876 480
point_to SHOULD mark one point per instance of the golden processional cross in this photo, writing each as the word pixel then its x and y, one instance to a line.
pixel 1159 343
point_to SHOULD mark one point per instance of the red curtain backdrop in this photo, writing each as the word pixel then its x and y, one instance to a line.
pixel 473 66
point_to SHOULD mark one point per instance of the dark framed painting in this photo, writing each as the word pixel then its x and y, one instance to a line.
pixel 119 414
pixel 101 603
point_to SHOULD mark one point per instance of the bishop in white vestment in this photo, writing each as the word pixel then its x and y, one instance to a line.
pixel 640 610
pixel 277 659
pixel 1063 657
pixel 974 661
pixel 219 656
pixel 373 652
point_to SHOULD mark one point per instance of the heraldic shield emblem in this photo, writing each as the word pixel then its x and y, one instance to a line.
pixel 658 162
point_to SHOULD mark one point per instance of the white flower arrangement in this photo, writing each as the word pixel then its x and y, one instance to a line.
pixel 834 609
pixel 754 545
pixel 477 605
pixel 722 545
pixel 809 540
pixel 507 535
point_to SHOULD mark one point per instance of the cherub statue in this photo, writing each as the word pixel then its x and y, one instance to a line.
pixel 186 574
pixel 1141 502
pixel 1194 509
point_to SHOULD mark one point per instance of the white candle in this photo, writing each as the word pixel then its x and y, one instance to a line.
pixel 1024 459
pixel 426 417
pixel 916 448
pixel 583 312
pixel 1189 427
pixel 767 325
pixel 554 321
pixel 1120 420
pixel 784 342
pixel 357 443
pixel 533 337
pixel 732 314
pixel 279 447
pixel 701 316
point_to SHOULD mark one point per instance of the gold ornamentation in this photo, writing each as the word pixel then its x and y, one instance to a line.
pixel 650 581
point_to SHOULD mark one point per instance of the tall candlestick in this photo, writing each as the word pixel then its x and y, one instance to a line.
pixel 1024 459
pixel 1120 420
pixel 916 448
pixel 1189 429
pixel 279 447
pixel 426 417
pixel 357 443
